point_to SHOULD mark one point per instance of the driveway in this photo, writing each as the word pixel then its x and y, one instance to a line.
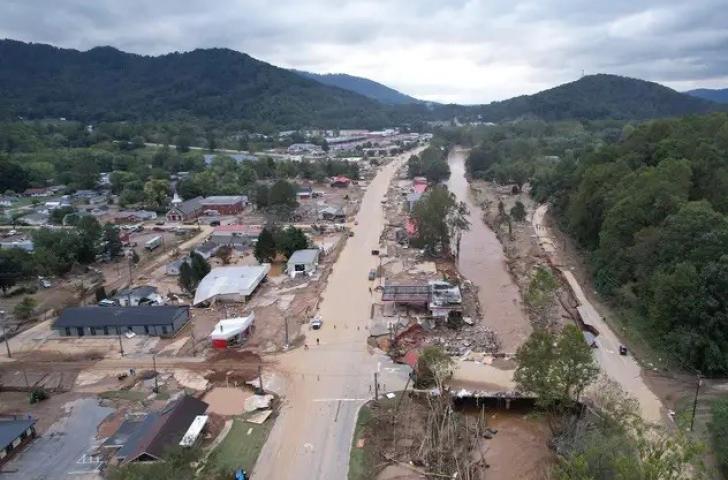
pixel 64 450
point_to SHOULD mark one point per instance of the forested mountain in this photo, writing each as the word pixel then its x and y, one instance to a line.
pixel 599 97
pixel 653 211
pixel 714 95
pixel 105 84
pixel 363 86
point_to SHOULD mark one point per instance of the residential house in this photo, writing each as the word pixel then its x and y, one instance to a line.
pixel 143 295
pixel 303 262
pixel 340 181
pixel 184 211
pixel 172 268
pixel 7 201
pixel 16 431
pixel 304 192
pixel 235 236
pixel 334 214
pixel 149 438
pixel 23 244
pixel 412 199
pixel 35 219
pixel 134 216
pixel 93 320
pixel 37 192
pixel 207 249
pixel 300 148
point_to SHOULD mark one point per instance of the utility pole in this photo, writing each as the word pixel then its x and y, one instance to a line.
pixel 285 320
pixel 260 381
pixel 698 383
pixel 156 375
pixel 376 386
pixel 5 333
pixel 121 346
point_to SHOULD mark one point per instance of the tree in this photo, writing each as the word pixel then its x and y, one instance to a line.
pixel 283 193
pixel 438 216
pixel 555 368
pixel 199 266
pixel 24 309
pixel 265 247
pixel 224 253
pixel 540 294
pixel 262 194
pixel 186 278
pixel 156 193
pixel 718 428
pixel 289 240
pixel 89 234
pixel 15 265
pixel 518 211
pixel 56 216
pixel 112 241
pixel 434 366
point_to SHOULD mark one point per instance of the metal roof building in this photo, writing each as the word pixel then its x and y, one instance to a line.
pixel 144 320
pixel 303 262
pixel 15 431
pixel 230 284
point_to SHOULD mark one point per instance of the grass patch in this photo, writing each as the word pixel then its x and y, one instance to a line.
pixel 131 395
pixel 239 449
pixel 361 459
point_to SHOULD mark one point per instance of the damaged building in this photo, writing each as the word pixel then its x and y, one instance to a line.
pixel 440 298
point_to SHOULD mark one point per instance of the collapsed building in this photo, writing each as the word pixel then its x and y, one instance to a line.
pixel 442 299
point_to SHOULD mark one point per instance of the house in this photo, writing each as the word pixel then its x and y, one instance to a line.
pixel 7 201
pixel 235 236
pixel 230 284
pixel 134 216
pixel 299 148
pixel 303 262
pixel 333 214
pixel 232 331
pixel 36 192
pixel 24 244
pixel 340 181
pixel 143 295
pixel 151 437
pixel 304 193
pixel 172 268
pixel 16 431
pixel 238 157
pixel 142 320
pixel 207 249
pixel 225 204
pixel 439 297
pixel 35 219
pixel 412 199
pixel 184 211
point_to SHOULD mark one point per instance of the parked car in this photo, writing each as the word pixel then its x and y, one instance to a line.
pixel 44 282
pixel 215 223
pixel 316 323
pixel 372 274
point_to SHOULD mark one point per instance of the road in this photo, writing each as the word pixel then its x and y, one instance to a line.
pixel 622 369
pixel 328 383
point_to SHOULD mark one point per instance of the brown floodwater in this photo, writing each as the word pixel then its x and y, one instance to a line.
pixel 482 261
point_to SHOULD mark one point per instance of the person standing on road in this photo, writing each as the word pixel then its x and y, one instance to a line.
pixel 317 342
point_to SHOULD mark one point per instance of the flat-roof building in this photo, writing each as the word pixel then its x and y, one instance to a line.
pixel 230 284
pixel 142 320
pixel 16 431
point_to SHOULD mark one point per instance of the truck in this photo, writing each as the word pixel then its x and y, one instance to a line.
pixel 153 243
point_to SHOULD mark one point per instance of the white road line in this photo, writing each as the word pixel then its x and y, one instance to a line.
pixel 340 400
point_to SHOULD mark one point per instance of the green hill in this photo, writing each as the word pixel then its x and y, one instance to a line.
pixel 714 95
pixel 363 86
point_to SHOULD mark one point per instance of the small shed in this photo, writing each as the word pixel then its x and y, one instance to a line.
pixel 303 262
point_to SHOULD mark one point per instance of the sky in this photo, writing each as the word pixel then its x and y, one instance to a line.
pixel 461 51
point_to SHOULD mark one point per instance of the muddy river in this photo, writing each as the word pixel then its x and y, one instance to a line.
pixel 483 262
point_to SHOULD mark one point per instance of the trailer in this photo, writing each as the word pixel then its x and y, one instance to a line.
pixel 153 243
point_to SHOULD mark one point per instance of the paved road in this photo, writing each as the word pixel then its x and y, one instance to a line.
pixel 328 383
pixel 623 369
pixel 63 451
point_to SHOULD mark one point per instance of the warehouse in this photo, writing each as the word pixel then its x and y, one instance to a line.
pixel 230 284
pixel 303 262
pixel 101 321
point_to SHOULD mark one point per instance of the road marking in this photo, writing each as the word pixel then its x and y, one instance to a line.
pixel 323 400
pixel 338 407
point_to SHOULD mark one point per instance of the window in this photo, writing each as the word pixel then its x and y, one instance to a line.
pixel 106 330
pixel 164 329
pixel 92 330
pixel 68 332
pixel 146 329
pixel 80 331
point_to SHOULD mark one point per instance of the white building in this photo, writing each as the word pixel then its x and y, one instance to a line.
pixel 230 284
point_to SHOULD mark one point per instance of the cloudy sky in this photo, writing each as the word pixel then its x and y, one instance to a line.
pixel 465 51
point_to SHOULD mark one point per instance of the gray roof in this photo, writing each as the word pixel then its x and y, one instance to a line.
pixel 223 199
pixel 307 256
pixel 190 206
pixel 12 427
pixel 414 196
pixel 141 292
pixel 118 316
pixel 332 211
